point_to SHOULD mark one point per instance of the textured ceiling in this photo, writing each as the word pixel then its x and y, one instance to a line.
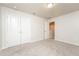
pixel 40 9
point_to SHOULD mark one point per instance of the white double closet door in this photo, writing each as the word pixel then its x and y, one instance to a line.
pixel 15 27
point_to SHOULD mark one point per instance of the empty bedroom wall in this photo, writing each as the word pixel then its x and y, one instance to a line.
pixel 67 28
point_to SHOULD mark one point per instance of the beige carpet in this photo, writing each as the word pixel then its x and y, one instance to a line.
pixel 42 48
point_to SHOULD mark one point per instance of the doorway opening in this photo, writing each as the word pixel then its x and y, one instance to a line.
pixel 52 30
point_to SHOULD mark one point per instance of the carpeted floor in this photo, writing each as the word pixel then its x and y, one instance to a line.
pixel 42 48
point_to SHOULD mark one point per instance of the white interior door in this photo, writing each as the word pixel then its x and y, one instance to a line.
pixel 25 29
pixel 37 29
pixel 11 28
pixel 46 31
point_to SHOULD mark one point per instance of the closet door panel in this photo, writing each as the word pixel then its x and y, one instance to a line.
pixel 12 28
pixel 25 28
pixel 37 29
pixel 12 37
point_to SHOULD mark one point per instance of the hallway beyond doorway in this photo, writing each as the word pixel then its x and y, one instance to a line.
pixel 52 30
